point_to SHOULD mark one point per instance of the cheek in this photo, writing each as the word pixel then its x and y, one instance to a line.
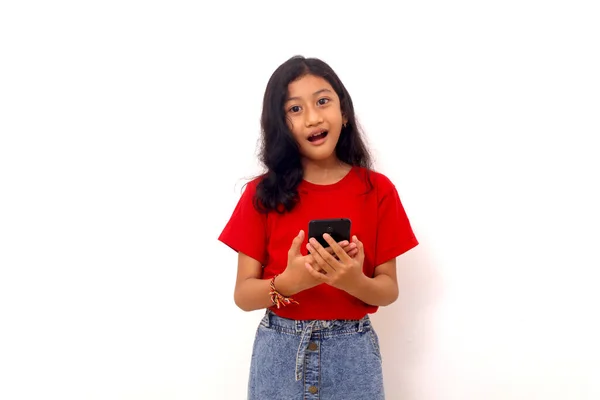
pixel 297 137
pixel 295 132
pixel 335 118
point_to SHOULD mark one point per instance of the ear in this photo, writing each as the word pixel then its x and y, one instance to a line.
pixel 344 120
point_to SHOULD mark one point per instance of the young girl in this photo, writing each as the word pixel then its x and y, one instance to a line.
pixel 315 340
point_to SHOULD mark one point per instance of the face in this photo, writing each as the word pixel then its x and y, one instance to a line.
pixel 314 116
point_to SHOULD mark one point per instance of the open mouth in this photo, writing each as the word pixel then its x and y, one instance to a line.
pixel 317 136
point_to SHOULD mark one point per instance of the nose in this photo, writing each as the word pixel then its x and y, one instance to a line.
pixel 312 117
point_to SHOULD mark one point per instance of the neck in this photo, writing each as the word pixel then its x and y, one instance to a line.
pixel 324 171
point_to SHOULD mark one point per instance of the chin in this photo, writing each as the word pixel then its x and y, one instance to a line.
pixel 319 156
pixel 320 153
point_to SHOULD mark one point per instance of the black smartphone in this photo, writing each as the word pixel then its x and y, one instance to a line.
pixel 338 228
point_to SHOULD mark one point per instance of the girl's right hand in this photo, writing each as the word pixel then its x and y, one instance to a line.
pixel 296 278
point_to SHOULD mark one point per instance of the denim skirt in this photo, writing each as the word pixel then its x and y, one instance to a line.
pixel 315 359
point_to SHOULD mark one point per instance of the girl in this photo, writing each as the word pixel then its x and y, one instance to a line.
pixel 315 340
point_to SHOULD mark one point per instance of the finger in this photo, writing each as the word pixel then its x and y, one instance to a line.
pixel 296 243
pixel 317 275
pixel 342 255
pixel 315 267
pixel 327 258
pixel 310 260
pixel 344 244
pixel 360 247
pixel 319 262
pixel 349 248
pixel 320 257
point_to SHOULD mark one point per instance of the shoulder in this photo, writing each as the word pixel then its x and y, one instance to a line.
pixel 247 192
pixel 251 186
pixel 380 181
pixel 253 182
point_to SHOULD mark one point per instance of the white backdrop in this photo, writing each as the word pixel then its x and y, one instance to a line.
pixel 128 129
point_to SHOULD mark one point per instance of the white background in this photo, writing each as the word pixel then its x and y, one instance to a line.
pixel 128 129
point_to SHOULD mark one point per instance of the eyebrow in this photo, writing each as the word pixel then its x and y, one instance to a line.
pixel 314 94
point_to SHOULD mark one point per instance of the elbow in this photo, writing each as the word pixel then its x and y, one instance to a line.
pixel 395 294
pixel 243 308
pixel 391 299
pixel 241 303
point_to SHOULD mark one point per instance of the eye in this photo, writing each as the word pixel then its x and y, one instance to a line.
pixel 294 109
pixel 323 101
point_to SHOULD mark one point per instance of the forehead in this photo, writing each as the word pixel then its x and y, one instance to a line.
pixel 308 87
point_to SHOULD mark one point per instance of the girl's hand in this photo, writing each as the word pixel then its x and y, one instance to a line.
pixel 295 278
pixel 343 272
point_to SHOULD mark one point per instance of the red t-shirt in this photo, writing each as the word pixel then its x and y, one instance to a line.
pixel 378 220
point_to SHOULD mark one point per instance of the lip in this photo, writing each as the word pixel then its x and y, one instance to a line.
pixel 319 141
pixel 315 132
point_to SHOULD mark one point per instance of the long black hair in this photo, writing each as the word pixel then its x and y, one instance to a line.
pixel 279 151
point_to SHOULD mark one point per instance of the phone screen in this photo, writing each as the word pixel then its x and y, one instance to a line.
pixel 338 228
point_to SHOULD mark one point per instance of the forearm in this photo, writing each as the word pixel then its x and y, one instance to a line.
pixel 253 293
pixel 378 291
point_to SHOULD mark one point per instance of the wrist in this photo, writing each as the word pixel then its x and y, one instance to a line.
pixel 358 286
pixel 279 298
pixel 284 285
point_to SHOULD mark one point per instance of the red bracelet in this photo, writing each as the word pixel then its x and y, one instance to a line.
pixel 277 298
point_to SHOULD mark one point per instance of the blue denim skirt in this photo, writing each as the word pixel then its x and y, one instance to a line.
pixel 314 359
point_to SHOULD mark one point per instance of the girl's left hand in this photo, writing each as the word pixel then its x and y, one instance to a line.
pixel 343 272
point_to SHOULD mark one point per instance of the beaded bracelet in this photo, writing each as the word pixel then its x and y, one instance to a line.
pixel 277 298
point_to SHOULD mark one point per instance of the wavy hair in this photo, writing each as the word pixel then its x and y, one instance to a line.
pixel 279 151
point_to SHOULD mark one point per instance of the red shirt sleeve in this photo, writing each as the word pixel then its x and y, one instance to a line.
pixel 246 230
pixel 395 235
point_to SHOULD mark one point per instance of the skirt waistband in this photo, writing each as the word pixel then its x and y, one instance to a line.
pixel 325 328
